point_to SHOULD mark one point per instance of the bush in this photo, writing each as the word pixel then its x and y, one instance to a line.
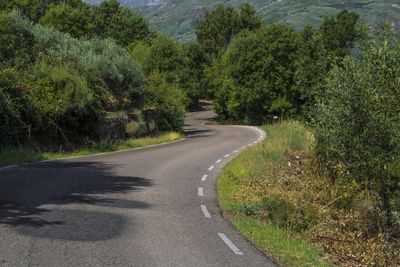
pixel 168 100
pixel 65 104
pixel 357 124
pixel 16 110
pixel 16 41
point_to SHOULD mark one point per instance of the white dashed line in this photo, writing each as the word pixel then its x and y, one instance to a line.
pixel 205 211
pixel 200 192
pixel 211 168
pixel 218 161
pixel 236 151
pixel 229 243
pixel 227 155
pixel 203 179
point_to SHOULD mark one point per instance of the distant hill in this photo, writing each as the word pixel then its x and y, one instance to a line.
pixel 179 17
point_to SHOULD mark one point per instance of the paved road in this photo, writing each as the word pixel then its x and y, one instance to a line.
pixel 132 208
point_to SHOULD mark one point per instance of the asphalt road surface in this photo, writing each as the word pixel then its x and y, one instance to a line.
pixel 155 206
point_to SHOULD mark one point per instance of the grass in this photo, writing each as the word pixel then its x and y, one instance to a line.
pixel 290 251
pixel 248 186
pixel 25 155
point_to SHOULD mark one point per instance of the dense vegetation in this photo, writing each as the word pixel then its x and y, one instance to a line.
pixel 64 67
pixel 277 197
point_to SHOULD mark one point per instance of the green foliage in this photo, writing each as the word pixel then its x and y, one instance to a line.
pixel 65 18
pixel 15 109
pixel 122 24
pixel 312 65
pixel 30 8
pixel 62 84
pixel 181 65
pixel 108 61
pixel 16 42
pixel 222 24
pixel 168 100
pixel 357 122
pixel 259 74
pixel 194 83
pixel 340 33
pixel 165 56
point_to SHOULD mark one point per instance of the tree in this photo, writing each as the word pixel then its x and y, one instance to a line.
pixel 73 20
pixel 259 75
pixel 166 56
pixel 312 67
pixel 122 24
pixel 222 24
pixel 28 8
pixel 192 81
pixel 339 33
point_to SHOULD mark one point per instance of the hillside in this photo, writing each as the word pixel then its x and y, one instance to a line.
pixel 179 17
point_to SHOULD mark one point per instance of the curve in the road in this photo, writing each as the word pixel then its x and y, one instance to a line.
pixel 150 207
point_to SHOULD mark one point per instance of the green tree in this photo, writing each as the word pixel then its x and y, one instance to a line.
pixel 29 8
pixel 339 33
pixel 65 18
pixel 259 70
pixel 119 23
pixel 222 24
pixel 166 56
pixel 312 67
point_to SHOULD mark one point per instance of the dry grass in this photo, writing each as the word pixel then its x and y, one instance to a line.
pixel 278 183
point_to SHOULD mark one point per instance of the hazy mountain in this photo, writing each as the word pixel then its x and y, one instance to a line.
pixel 179 17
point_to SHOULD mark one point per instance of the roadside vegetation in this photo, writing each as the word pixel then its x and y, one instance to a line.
pixel 335 185
pixel 25 155
pixel 276 195
pixel 65 66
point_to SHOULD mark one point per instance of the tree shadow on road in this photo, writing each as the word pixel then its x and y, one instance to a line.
pixel 41 195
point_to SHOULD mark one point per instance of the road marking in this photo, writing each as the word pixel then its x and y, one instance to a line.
pixel 200 192
pixel 236 151
pixel 229 243
pixel 218 161
pixel 203 179
pixel 211 168
pixel 255 142
pixel 205 211
pixel 227 155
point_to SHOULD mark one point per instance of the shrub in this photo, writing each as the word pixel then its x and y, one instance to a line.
pixel 16 41
pixel 66 104
pixel 16 111
pixel 357 123
pixel 102 58
pixel 168 100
